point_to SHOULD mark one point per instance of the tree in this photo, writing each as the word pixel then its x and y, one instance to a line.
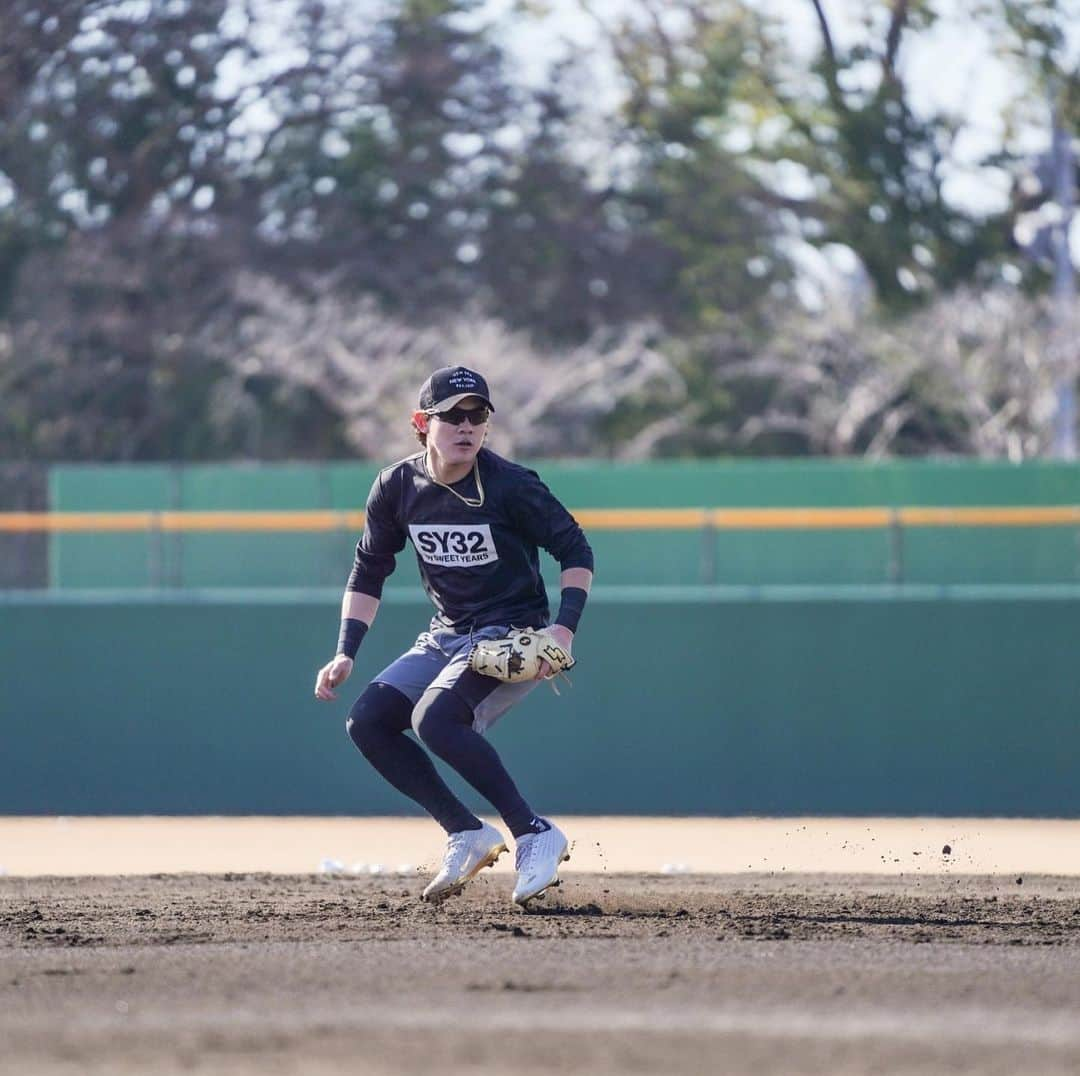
pixel 971 373
pixel 690 71
pixel 367 363
pixel 123 221
pixel 1041 36
pixel 566 256
pixel 879 167
pixel 109 116
pixel 386 139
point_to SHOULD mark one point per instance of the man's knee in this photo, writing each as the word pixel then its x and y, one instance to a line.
pixel 380 710
pixel 439 711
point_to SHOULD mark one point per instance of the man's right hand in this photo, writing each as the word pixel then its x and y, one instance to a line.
pixel 332 675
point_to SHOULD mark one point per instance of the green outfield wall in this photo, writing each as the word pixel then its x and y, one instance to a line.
pixel 669 557
pixel 915 700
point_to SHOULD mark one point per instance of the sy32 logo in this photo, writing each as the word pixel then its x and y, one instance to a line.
pixel 453 544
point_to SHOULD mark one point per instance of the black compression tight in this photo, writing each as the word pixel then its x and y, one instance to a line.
pixel 377 724
pixel 443 721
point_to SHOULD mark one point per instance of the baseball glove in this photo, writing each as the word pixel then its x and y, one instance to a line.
pixel 518 656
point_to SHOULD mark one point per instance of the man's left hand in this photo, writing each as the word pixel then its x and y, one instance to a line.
pixel 565 638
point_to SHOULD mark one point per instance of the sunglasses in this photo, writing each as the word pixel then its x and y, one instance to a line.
pixel 457 415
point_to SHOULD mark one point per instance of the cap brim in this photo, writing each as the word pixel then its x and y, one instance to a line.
pixel 453 401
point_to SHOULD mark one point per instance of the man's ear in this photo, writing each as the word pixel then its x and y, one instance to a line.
pixel 420 420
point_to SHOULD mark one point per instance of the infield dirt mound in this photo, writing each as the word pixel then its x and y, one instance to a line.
pixel 166 909
pixel 244 974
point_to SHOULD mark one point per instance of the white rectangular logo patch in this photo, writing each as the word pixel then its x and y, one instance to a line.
pixel 453 544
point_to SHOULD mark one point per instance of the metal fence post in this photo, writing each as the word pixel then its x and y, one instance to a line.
pixel 708 550
pixel 175 569
pixel 342 537
pixel 154 552
pixel 896 547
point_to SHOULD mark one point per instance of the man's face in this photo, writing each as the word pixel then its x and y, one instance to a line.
pixel 456 435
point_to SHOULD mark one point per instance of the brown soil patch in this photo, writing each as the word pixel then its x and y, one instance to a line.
pixel 250 973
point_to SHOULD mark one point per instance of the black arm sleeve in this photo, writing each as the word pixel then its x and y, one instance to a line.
pixel 382 540
pixel 542 519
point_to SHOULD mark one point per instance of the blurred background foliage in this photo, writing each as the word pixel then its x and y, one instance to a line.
pixel 233 229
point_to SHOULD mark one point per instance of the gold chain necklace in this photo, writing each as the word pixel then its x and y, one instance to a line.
pixel 472 502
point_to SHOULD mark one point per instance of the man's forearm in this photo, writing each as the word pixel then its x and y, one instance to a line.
pixel 357 612
pixel 575 583
pixel 576 577
pixel 357 606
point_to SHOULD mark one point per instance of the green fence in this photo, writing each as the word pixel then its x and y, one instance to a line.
pixel 953 701
pixel 1049 554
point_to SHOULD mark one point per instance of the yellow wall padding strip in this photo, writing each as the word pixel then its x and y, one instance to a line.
pixel 76 521
pixel 769 519
pixel 1055 516
pixel 261 521
pixel 764 519
pixel 644 519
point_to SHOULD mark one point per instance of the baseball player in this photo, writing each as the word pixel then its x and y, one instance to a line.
pixel 476 521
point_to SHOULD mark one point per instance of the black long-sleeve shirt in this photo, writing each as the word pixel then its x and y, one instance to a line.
pixel 479 565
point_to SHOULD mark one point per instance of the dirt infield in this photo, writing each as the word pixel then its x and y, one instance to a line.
pixel 752 973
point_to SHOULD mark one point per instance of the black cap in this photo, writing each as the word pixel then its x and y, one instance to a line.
pixel 447 387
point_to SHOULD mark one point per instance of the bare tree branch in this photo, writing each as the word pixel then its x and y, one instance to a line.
pixel 980 364
pixel 892 39
pixel 369 364
pixel 830 59
pixel 663 41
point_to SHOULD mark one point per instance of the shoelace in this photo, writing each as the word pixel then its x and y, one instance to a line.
pixel 524 852
pixel 457 845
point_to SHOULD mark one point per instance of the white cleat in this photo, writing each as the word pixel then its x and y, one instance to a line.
pixel 467 853
pixel 537 861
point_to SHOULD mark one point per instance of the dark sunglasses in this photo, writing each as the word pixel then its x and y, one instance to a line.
pixel 457 415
